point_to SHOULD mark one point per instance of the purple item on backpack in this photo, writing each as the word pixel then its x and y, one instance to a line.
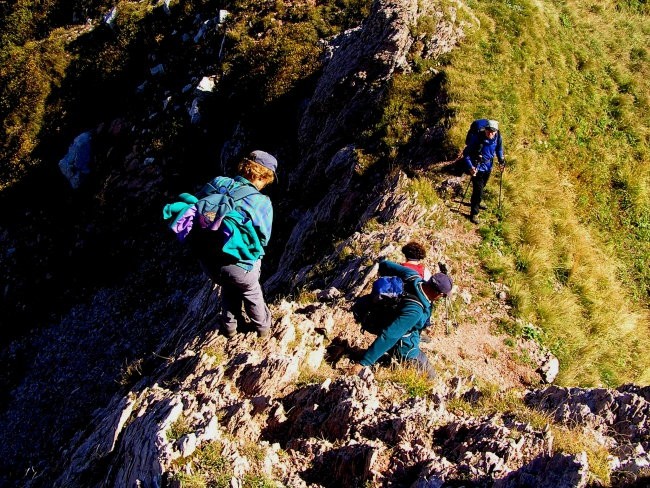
pixel 183 225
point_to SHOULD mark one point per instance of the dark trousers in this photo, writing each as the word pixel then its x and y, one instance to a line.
pixel 239 288
pixel 479 180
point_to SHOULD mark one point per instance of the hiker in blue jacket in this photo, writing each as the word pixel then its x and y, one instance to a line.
pixel 402 337
pixel 236 267
pixel 482 143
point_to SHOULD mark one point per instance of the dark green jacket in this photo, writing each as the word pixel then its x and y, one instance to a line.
pixel 402 336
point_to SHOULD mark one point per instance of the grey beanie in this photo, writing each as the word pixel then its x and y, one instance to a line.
pixel 492 125
pixel 264 159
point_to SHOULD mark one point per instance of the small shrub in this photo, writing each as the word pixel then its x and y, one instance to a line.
pixel 178 429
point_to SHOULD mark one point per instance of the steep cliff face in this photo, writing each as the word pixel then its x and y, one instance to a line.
pixel 361 63
pixel 346 102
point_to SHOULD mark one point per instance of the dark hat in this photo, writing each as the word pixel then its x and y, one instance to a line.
pixel 442 283
pixel 265 159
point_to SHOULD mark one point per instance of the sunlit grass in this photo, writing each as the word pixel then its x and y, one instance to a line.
pixel 569 84
pixel 415 383
pixel 212 468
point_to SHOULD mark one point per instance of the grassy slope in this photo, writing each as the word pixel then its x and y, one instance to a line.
pixel 569 82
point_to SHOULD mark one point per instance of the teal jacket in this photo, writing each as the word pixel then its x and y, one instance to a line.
pixel 246 231
pixel 402 336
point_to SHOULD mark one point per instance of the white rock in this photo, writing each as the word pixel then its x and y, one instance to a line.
pixel 206 84
pixel 187 444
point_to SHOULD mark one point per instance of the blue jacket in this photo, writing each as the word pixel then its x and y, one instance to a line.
pixel 479 150
pixel 402 336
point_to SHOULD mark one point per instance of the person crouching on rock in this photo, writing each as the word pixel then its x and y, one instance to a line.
pixel 401 338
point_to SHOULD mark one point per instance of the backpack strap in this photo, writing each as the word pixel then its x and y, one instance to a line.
pixel 242 192
pixel 409 297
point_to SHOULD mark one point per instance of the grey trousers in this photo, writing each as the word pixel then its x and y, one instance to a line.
pixel 240 287
pixel 421 362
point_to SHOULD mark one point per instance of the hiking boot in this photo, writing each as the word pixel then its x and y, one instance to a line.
pixel 228 333
pixel 474 219
pixel 261 333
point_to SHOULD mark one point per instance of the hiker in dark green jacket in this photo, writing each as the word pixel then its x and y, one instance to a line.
pixel 402 337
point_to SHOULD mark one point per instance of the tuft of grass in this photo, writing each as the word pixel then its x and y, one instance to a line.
pixel 413 381
pixel 310 377
pixel 423 191
pixel 178 429
pixel 306 297
pixel 218 355
pixel 131 372
pixel 212 469
pixel 574 441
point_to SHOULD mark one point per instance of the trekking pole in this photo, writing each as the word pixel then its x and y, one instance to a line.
pixel 450 316
pixel 501 183
pixel 446 299
pixel 464 194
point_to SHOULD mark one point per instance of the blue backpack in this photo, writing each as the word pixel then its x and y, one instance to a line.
pixel 475 128
pixel 376 311
pixel 207 211
pixel 387 289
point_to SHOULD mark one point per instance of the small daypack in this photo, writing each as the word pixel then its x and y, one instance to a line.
pixel 387 289
pixel 376 311
pixel 197 220
pixel 216 201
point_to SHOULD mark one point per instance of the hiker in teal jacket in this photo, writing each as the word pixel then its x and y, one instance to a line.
pixel 236 263
pixel 402 337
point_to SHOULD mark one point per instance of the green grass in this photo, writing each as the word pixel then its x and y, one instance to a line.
pixel 211 468
pixel 415 383
pixel 178 429
pixel 28 75
pixel 569 82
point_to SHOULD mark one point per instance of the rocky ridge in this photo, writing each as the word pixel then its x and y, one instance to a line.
pixel 314 426
pixel 282 407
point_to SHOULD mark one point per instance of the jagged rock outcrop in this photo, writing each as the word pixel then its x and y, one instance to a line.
pixel 342 431
pixel 362 62
pixel 345 103
pixel 620 418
